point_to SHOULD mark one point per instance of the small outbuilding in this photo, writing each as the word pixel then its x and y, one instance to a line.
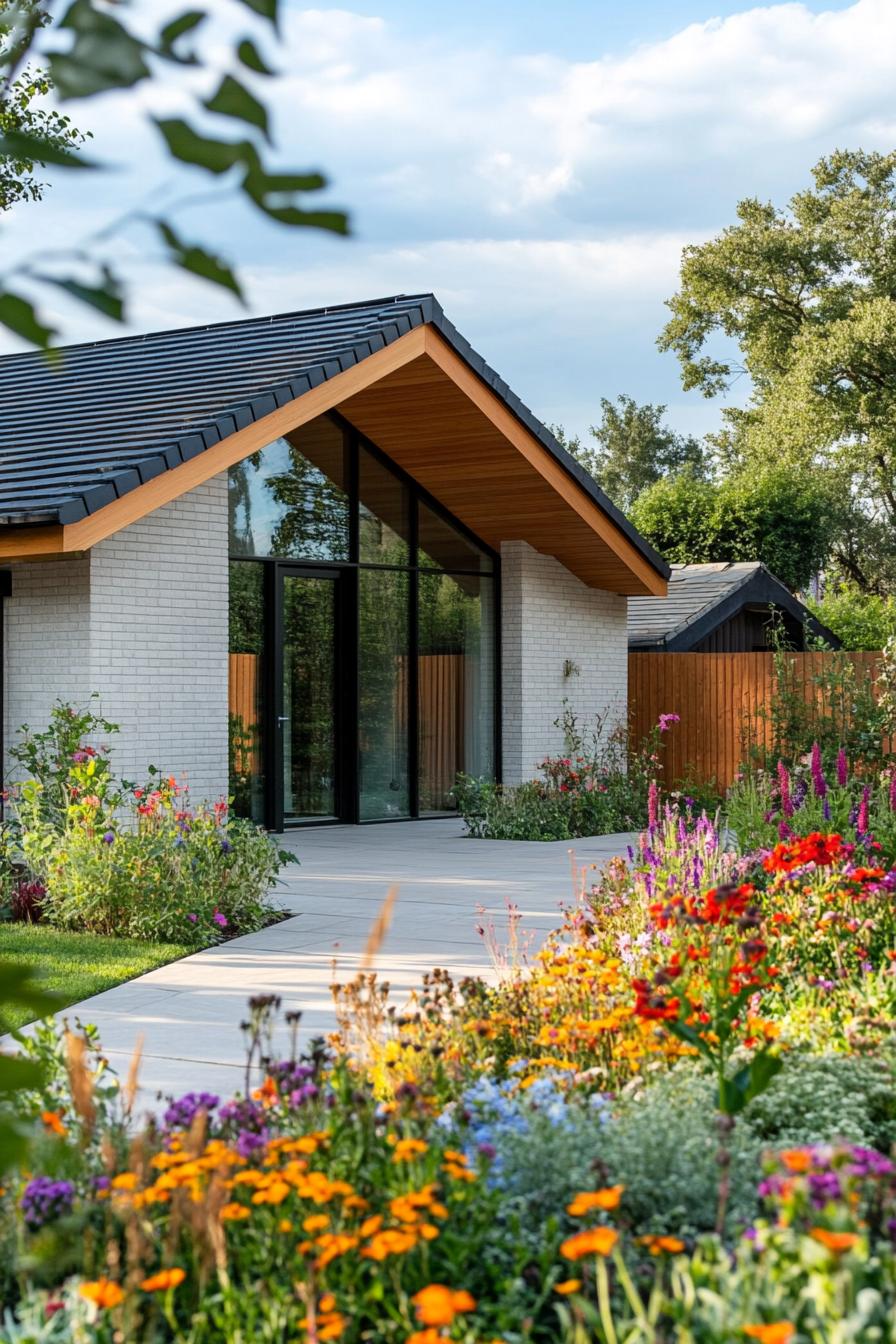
pixel 721 608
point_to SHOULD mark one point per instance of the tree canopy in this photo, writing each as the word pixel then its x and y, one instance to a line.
pixel 22 113
pixel 803 300
pixel 782 517
pixel 91 50
pixel 631 448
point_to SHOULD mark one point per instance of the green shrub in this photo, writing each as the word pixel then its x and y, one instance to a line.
pixel 136 862
pixel 590 789
pixel 662 1142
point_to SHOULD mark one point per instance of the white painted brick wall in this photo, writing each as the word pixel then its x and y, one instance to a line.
pixel 142 619
pixel 549 616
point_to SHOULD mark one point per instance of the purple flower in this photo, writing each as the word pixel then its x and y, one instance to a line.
pixel 44 1200
pixel 826 810
pixel 819 783
pixel 893 792
pixel 219 919
pixel 192 918
pixel 183 1111
pixel 666 721
pixel 109 838
pixel 823 1188
pixel 842 768
pixel 79 757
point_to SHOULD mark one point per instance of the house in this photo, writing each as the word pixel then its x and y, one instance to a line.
pixel 721 608
pixel 323 560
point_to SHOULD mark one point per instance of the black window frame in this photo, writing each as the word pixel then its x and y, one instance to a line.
pixel 347 634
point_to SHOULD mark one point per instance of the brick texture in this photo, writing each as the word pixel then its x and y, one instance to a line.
pixel 549 617
pixel 142 619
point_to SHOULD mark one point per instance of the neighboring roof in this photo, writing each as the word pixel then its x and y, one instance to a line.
pixel 96 421
pixel 702 597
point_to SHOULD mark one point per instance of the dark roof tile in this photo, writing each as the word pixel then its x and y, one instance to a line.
pixel 133 404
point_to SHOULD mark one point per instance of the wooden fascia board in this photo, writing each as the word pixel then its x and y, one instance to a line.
pixel 136 504
pixel 451 364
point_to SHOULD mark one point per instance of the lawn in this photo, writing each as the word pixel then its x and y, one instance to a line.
pixel 76 965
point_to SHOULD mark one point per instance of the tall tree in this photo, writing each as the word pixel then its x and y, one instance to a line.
pixel 807 295
pixel 22 113
pixel 632 448
pixel 783 517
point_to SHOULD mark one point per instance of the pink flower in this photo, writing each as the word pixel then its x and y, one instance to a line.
pixel 819 782
pixel 653 805
pixel 862 821
pixel 784 789
pixel 666 720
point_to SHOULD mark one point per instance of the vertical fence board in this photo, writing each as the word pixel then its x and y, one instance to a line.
pixel 719 697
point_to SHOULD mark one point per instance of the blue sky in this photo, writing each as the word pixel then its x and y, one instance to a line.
pixel 538 166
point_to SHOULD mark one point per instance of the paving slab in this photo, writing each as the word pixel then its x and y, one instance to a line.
pixel 186 1015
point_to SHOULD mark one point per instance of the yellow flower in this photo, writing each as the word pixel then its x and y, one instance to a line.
pixel 102 1293
pixel 165 1279
pixel 587 1200
pixel 438 1305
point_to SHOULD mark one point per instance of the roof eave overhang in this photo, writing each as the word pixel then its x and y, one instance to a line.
pixel 117 505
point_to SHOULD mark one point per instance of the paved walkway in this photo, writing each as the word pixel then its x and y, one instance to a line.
pixel 188 1013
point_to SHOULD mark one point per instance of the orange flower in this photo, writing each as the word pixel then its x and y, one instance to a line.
pixel 267 1094
pixel 777 1332
pixel 428 1336
pixel 407 1149
pixel 231 1213
pixel 165 1279
pixel 315 1222
pixel 52 1122
pixel 657 1245
pixel 796 1159
pixel 102 1293
pixel 587 1200
pixel 596 1241
pixel 438 1305
pixel 568 1286
pixel 837 1242
pixel 390 1241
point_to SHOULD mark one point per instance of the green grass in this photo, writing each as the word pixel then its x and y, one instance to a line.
pixel 76 965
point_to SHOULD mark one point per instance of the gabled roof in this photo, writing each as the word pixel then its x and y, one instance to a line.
pixel 702 597
pixel 95 422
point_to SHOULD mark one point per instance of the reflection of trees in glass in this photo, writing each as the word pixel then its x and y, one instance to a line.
pixel 314 520
pixel 383 687
pixel 450 616
pixel 309 624
pixel 246 644
pixel 282 503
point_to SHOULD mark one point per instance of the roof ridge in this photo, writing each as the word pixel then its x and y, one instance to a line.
pixel 379 305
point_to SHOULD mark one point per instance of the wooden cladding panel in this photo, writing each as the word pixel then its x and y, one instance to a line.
pixel 719 697
pixel 429 426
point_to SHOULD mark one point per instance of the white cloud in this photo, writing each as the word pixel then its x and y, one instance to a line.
pixel 545 200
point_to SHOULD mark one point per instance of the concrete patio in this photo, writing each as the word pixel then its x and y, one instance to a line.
pixel 188 1013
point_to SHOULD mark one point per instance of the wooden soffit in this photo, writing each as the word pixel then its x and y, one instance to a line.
pixel 424 407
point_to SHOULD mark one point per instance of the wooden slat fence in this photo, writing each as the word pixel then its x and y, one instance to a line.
pixel 720 698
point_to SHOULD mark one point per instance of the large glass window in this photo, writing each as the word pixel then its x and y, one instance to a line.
pixel 384 514
pixel 383 671
pixel 442 546
pixel 362 637
pixel 455 680
pixel 290 499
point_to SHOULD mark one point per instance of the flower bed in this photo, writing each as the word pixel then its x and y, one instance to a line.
pixel 86 851
pixel 675 1125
